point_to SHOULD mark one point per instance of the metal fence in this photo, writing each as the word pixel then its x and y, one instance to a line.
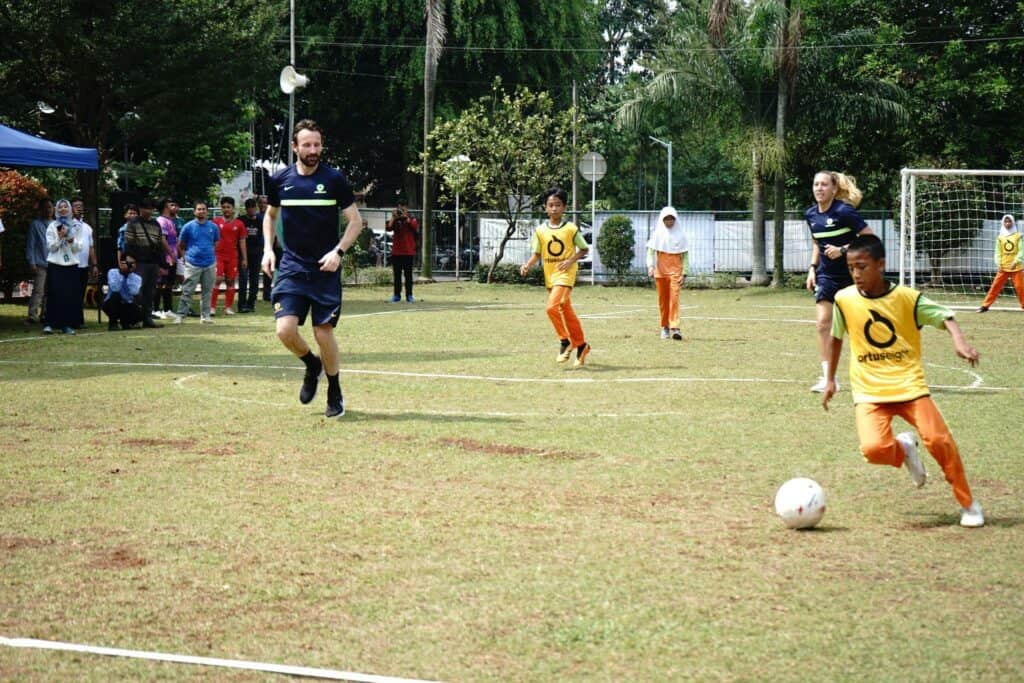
pixel 720 241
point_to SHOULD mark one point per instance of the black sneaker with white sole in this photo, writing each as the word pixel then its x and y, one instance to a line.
pixel 309 383
pixel 335 406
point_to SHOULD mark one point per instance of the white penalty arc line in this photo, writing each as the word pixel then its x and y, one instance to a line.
pixel 975 386
pixel 305 671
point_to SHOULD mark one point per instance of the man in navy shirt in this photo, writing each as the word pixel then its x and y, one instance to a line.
pixel 309 196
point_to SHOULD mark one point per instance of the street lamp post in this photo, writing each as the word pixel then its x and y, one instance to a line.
pixel 668 146
pixel 456 162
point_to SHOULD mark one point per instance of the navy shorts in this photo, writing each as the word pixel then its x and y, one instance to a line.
pixel 825 288
pixel 299 293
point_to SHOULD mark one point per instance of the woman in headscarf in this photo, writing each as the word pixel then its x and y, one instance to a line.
pixel 1009 260
pixel 63 287
pixel 667 251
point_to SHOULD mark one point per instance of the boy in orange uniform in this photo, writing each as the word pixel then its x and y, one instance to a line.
pixel 559 245
pixel 886 374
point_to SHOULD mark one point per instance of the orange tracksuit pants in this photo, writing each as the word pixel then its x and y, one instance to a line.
pixel 668 273
pixel 879 446
pixel 562 315
pixel 1015 276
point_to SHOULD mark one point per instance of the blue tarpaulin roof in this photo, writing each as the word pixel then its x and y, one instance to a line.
pixel 22 149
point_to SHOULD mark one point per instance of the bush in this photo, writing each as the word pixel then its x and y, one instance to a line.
pixel 508 273
pixel 616 246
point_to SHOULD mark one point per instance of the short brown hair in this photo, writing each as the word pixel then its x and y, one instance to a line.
pixel 305 124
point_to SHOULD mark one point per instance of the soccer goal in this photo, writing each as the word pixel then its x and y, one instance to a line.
pixel 949 220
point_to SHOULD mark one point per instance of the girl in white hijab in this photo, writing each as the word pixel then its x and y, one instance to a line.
pixel 63 285
pixel 666 262
pixel 1009 260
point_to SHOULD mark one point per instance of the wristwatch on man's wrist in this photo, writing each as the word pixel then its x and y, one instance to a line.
pixel 340 252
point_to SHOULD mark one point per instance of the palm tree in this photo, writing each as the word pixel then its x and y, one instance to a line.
pixel 741 57
pixel 435 44
pixel 725 55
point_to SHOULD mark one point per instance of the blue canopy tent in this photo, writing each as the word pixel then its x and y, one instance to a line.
pixel 21 149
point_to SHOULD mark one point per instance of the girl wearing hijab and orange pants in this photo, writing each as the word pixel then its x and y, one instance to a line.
pixel 667 251
pixel 559 245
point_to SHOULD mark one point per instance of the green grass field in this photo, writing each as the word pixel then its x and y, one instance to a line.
pixel 483 513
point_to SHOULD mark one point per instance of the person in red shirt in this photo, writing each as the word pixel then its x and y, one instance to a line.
pixel 405 229
pixel 230 245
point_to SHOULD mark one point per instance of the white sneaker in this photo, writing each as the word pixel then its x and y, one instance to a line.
pixel 229 311
pixel 177 318
pixel 158 314
pixel 664 333
pixel 972 517
pixel 910 460
pixel 207 320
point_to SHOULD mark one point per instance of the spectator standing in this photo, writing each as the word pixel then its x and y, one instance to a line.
pixel 87 268
pixel 249 278
pixel 36 255
pixel 63 298
pixel 145 242
pixel 268 281
pixel 168 269
pixel 120 304
pixel 232 241
pixel 196 248
pixel 405 230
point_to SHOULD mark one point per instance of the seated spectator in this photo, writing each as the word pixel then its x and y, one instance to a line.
pixel 121 303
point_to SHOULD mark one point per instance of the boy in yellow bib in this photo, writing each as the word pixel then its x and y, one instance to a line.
pixel 1009 260
pixel 886 374
pixel 559 246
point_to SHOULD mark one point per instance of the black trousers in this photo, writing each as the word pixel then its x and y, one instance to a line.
pixel 149 273
pixel 118 310
pixel 248 284
pixel 402 265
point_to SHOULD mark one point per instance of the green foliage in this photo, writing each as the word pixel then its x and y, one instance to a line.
pixel 160 76
pixel 518 144
pixel 508 273
pixel 617 245
pixel 539 44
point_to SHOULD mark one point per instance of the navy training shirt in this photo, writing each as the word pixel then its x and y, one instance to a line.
pixel 837 226
pixel 309 207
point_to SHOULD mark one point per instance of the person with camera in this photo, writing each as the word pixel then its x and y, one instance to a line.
pixel 123 287
pixel 405 230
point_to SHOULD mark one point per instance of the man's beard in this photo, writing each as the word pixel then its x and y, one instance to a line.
pixel 310 160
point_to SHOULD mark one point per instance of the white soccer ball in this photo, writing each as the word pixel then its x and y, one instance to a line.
pixel 800 503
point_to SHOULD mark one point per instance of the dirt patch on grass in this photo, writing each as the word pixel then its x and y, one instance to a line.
pixel 514 451
pixel 219 450
pixel 181 444
pixel 21 543
pixel 118 558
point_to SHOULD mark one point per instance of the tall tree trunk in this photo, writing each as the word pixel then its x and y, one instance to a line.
pixel 758 274
pixel 434 45
pixel 782 98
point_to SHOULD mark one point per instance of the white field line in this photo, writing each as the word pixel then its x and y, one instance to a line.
pixel 305 671
pixel 975 386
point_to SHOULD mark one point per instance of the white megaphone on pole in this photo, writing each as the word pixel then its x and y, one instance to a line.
pixel 291 80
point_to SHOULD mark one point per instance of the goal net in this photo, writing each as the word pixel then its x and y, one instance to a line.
pixel 949 223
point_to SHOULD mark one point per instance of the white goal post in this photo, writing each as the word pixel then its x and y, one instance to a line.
pixel 949 221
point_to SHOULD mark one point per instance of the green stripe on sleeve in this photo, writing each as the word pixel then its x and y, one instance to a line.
pixel 309 202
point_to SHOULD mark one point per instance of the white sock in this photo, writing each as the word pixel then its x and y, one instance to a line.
pixel 824 369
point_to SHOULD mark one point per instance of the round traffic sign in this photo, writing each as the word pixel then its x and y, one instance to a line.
pixel 593 166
